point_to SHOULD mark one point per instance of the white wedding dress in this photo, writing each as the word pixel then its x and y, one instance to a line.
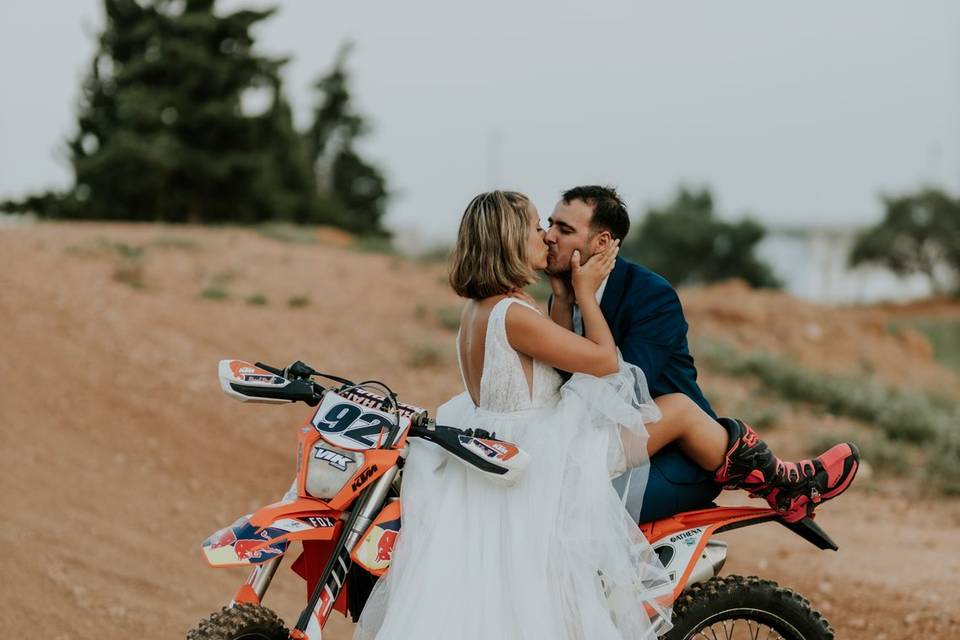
pixel 554 556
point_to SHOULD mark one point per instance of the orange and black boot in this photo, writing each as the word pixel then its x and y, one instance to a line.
pixel 793 489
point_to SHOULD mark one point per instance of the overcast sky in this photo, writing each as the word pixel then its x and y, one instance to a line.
pixel 795 112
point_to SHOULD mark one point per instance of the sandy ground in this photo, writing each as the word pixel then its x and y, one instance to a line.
pixel 120 453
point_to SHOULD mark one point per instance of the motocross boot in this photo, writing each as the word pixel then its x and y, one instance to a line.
pixel 793 489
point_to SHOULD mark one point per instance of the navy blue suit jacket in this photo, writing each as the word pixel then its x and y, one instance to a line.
pixel 648 325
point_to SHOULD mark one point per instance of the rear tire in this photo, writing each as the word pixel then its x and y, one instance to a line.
pixel 729 604
pixel 241 622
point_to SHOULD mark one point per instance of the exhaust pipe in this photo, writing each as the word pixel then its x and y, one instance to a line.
pixel 711 561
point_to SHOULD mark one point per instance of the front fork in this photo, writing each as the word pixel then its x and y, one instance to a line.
pixel 257 583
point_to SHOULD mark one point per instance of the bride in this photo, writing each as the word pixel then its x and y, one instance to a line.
pixel 555 555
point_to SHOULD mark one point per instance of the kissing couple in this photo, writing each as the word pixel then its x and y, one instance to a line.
pixel 600 387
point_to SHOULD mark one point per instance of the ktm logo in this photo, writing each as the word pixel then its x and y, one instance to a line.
pixel 365 475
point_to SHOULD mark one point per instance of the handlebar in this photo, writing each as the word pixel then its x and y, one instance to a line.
pixel 273 370
pixel 301 387
pixel 471 446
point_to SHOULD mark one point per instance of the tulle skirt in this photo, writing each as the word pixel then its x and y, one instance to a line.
pixel 555 555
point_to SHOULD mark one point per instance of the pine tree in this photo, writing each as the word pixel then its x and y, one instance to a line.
pixel 355 187
pixel 288 186
pixel 162 133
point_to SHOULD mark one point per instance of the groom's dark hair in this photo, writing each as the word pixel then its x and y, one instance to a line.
pixel 609 212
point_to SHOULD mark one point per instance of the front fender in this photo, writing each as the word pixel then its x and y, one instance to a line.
pixel 266 534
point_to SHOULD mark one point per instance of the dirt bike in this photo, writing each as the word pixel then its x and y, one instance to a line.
pixel 344 508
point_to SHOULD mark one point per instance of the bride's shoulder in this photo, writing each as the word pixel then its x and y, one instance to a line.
pixel 484 306
pixel 524 299
pixel 520 315
pixel 501 309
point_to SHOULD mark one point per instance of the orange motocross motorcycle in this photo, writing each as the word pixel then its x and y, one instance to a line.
pixel 344 509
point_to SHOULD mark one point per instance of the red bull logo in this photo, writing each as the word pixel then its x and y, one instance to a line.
pixel 246 550
pixel 375 549
pixel 385 545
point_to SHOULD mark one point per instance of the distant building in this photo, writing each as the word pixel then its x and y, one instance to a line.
pixel 813 263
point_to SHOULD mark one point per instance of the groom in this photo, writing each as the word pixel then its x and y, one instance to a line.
pixel 648 325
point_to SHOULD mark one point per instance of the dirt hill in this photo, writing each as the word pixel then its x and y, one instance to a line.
pixel 847 340
pixel 121 454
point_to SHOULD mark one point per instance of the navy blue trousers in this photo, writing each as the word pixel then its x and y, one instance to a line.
pixel 676 484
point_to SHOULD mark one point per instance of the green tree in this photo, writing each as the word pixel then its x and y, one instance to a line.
pixel 287 185
pixel 354 186
pixel 919 233
pixel 163 133
pixel 685 242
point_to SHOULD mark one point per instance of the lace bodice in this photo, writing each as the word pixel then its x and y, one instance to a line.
pixel 503 384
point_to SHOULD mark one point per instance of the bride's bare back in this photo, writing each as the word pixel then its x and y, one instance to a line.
pixel 472 345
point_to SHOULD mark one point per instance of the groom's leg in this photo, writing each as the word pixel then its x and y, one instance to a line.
pixel 676 484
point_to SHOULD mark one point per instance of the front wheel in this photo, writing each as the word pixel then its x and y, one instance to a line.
pixel 241 622
pixel 735 607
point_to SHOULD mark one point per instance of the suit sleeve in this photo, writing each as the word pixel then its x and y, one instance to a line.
pixel 655 325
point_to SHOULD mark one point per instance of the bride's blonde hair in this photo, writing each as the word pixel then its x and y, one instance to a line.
pixel 490 256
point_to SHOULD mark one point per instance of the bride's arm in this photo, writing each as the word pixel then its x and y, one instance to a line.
pixel 542 339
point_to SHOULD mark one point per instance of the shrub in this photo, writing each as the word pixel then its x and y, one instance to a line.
pixel 900 416
pixel 763 417
pixel 943 464
pixel 943 334
pixel 175 242
pixel 128 264
pixel 449 318
pixel 286 232
pixel 102 247
pixel 425 355
pixel 297 302
pixel 215 292
pixel 127 259
pixel 125 250
pixel 257 299
pixel 129 271
pixel 875 448
pixel 374 244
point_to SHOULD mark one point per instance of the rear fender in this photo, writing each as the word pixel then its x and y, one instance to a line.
pixel 266 534
pixel 683 542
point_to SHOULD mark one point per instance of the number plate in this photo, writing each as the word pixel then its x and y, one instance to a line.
pixel 350 425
